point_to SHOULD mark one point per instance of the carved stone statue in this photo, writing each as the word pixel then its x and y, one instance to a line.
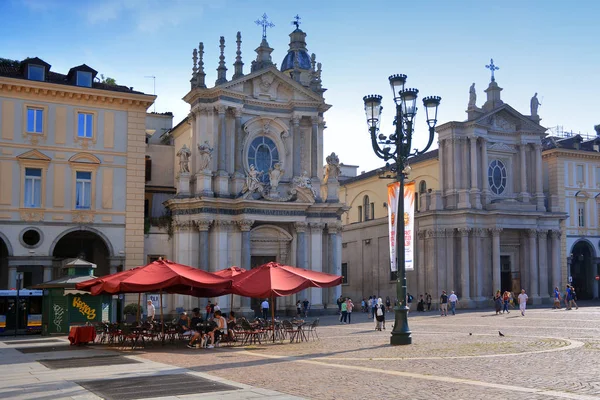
pixel 253 184
pixel 302 181
pixel 205 156
pixel 332 169
pixel 184 159
pixel 472 96
pixel 535 103
pixel 275 175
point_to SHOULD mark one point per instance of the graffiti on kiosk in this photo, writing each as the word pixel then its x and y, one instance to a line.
pixel 83 308
pixel 58 317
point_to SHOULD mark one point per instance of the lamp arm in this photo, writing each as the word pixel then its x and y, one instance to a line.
pixel 431 136
pixel 378 152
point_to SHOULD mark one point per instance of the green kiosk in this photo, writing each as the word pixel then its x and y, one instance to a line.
pixel 64 306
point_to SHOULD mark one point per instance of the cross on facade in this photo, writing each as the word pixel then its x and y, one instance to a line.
pixel 265 23
pixel 492 68
pixel 297 21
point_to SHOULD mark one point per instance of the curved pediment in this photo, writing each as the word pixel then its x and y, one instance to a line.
pixel 270 233
pixel 85 158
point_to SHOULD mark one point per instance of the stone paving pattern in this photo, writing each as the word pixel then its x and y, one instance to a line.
pixel 548 354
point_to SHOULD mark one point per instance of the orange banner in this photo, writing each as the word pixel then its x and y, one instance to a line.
pixel 409 220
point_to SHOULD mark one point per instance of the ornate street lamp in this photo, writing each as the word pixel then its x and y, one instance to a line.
pixel 397 147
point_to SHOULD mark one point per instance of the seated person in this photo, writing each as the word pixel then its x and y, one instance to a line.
pixel 219 330
pixel 195 329
pixel 231 322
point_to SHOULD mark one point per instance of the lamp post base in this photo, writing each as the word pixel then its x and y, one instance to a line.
pixel 401 333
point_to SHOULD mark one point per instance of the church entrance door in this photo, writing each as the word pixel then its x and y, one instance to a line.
pixel 583 270
pixel 257 261
pixel 505 275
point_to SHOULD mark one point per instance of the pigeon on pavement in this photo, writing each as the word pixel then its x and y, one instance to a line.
pixel 500 333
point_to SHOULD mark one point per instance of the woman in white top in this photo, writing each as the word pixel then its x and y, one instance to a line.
pixel 220 329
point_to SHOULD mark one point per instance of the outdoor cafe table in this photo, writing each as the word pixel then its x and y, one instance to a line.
pixel 81 335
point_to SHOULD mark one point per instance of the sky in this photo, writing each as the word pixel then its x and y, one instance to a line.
pixel 546 46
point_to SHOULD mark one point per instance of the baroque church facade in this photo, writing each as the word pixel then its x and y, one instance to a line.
pixel 251 186
pixel 486 217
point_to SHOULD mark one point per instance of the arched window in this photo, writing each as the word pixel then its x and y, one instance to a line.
pixel 497 177
pixel 263 154
pixel 367 208
pixel 422 189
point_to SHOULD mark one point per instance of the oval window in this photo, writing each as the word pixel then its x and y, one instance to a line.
pixel 497 177
pixel 263 154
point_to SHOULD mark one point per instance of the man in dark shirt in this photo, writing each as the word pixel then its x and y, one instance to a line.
pixel 444 304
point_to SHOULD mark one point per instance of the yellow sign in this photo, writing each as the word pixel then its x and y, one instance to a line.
pixel 83 308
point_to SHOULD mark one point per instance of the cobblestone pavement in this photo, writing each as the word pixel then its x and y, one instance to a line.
pixel 548 354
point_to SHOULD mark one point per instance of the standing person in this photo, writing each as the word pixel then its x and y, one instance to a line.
pixel 444 304
pixel 344 312
pixel 523 302
pixel 305 304
pixel 216 307
pixel 370 307
pixel 265 309
pixel 505 300
pixel 567 294
pixel 428 301
pixel 212 310
pixel 421 304
pixel 349 307
pixel 388 303
pixel 379 311
pixel 383 312
pixel 151 311
pixel 572 298
pixel 556 298
pixel 298 308
pixel 374 306
pixel 409 300
pixel 208 308
pixel 363 305
pixel 453 299
pixel 340 300
pixel 498 302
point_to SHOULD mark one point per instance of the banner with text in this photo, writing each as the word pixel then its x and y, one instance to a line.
pixel 408 219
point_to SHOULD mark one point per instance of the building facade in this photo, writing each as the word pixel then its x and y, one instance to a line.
pixel 485 219
pixel 71 171
pixel 251 187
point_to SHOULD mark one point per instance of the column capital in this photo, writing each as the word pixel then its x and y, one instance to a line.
pixel 223 223
pixel 245 225
pixel 314 120
pixel 182 226
pixel 542 233
pixel 536 146
pixel 555 233
pixel 295 120
pixel 334 227
pixel 464 232
pixel 496 231
pixel 421 234
pixel 301 227
pixel 221 110
pixel 441 142
pixel 202 224
pixel 237 112
pixel 316 226
pixel 450 232
pixel 480 232
pixel 532 233
pixel 473 140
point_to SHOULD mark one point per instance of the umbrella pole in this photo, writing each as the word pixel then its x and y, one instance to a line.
pixel 138 308
pixel 273 317
pixel 231 305
pixel 162 321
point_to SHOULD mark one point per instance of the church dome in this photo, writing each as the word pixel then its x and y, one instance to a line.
pixel 297 52
pixel 290 58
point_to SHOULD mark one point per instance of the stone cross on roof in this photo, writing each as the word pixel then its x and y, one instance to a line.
pixel 265 23
pixel 297 21
pixel 492 68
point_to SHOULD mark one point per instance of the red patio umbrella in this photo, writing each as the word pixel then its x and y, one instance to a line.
pixel 276 280
pixel 230 273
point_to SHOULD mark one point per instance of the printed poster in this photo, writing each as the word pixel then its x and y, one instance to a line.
pixel 409 221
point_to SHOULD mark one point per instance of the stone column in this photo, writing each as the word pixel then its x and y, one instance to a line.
pixel 533 266
pixel 245 226
pixel 316 261
pixel 441 166
pixel 496 273
pixel 475 200
pixel 543 263
pixel 297 146
pixel 484 171
pixel 335 250
pixel 556 261
pixel 478 237
pixel 222 178
pixel 463 192
pixel 314 147
pixel 539 189
pixel 421 261
pixel 453 180
pixel 524 195
pixel 440 259
pixel 301 252
pixel 238 152
pixel 203 226
pixel 464 264
pixel 450 259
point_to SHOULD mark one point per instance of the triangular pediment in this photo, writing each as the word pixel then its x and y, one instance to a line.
pixel 507 119
pixel 271 84
pixel 34 155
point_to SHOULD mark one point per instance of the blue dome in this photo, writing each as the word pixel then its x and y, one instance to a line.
pixel 303 60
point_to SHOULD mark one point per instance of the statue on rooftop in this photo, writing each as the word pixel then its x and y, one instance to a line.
pixel 472 96
pixel 535 103
pixel 184 159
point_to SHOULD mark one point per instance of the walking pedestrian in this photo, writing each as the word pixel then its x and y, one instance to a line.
pixel 453 299
pixel 498 302
pixel 340 300
pixel 299 309
pixel 373 305
pixel 305 305
pixel 363 305
pixel 344 312
pixel 349 307
pixel 379 315
pixel 523 302
pixel 265 309
pixel 151 311
pixel 444 304
pixel 556 298
pixel 388 303
pixel 428 301
pixel 505 300
pixel 572 298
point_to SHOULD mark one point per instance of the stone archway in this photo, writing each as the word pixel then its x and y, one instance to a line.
pixel 84 244
pixel 5 252
pixel 584 270
pixel 271 240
